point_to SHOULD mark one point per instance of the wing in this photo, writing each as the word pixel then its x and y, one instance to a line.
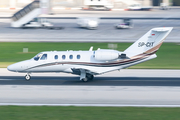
pixel 77 71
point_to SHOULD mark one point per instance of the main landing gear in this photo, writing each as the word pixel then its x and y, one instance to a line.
pixel 86 76
pixel 27 77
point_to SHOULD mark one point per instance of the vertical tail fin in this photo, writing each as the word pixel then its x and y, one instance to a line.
pixel 149 43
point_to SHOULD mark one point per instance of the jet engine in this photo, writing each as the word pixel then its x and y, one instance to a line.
pixel 104 55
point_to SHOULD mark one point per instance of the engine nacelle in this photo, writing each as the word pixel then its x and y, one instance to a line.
pixel 105 55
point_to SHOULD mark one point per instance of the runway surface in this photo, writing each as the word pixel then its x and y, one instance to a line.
pixel 125 77
pixel 98 81
pixel 128 87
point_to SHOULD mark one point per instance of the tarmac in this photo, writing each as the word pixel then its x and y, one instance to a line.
pixel 148 88
pixel 106 31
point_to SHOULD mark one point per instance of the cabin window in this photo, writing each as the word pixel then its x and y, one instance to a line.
pixel 78 56
pixel 63 57
pixel 71 57
pixel 44 57
pixel 56 57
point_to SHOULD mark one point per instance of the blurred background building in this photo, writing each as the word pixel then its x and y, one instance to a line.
pixel 121 4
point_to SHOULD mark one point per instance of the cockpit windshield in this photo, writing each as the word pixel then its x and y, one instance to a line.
pixel 36 58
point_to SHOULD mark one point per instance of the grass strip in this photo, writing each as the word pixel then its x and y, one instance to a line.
pixel 11 52
pixel 87 113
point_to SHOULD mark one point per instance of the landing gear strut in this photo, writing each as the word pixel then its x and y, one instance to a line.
pixel 88 78
pixel 28 77
pixel 85 76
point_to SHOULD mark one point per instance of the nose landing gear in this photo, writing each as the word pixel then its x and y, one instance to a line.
pixel 28 77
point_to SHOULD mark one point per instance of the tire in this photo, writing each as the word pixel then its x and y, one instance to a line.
pixel 84 79
pixel 27 77
pixel 90 77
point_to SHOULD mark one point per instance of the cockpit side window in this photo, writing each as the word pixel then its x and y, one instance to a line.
pixel 36 58
pixel 44 57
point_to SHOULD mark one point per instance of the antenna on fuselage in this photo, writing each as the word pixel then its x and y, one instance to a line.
pixel 91 48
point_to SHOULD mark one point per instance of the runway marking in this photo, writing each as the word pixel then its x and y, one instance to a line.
pixel 94 105
pixel 7 79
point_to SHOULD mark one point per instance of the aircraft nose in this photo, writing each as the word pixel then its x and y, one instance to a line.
pixel 12 68
pixel 19 67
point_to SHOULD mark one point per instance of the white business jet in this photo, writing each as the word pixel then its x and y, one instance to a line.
pixel 86 64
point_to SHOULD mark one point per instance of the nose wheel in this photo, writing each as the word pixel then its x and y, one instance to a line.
pixel 27 77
